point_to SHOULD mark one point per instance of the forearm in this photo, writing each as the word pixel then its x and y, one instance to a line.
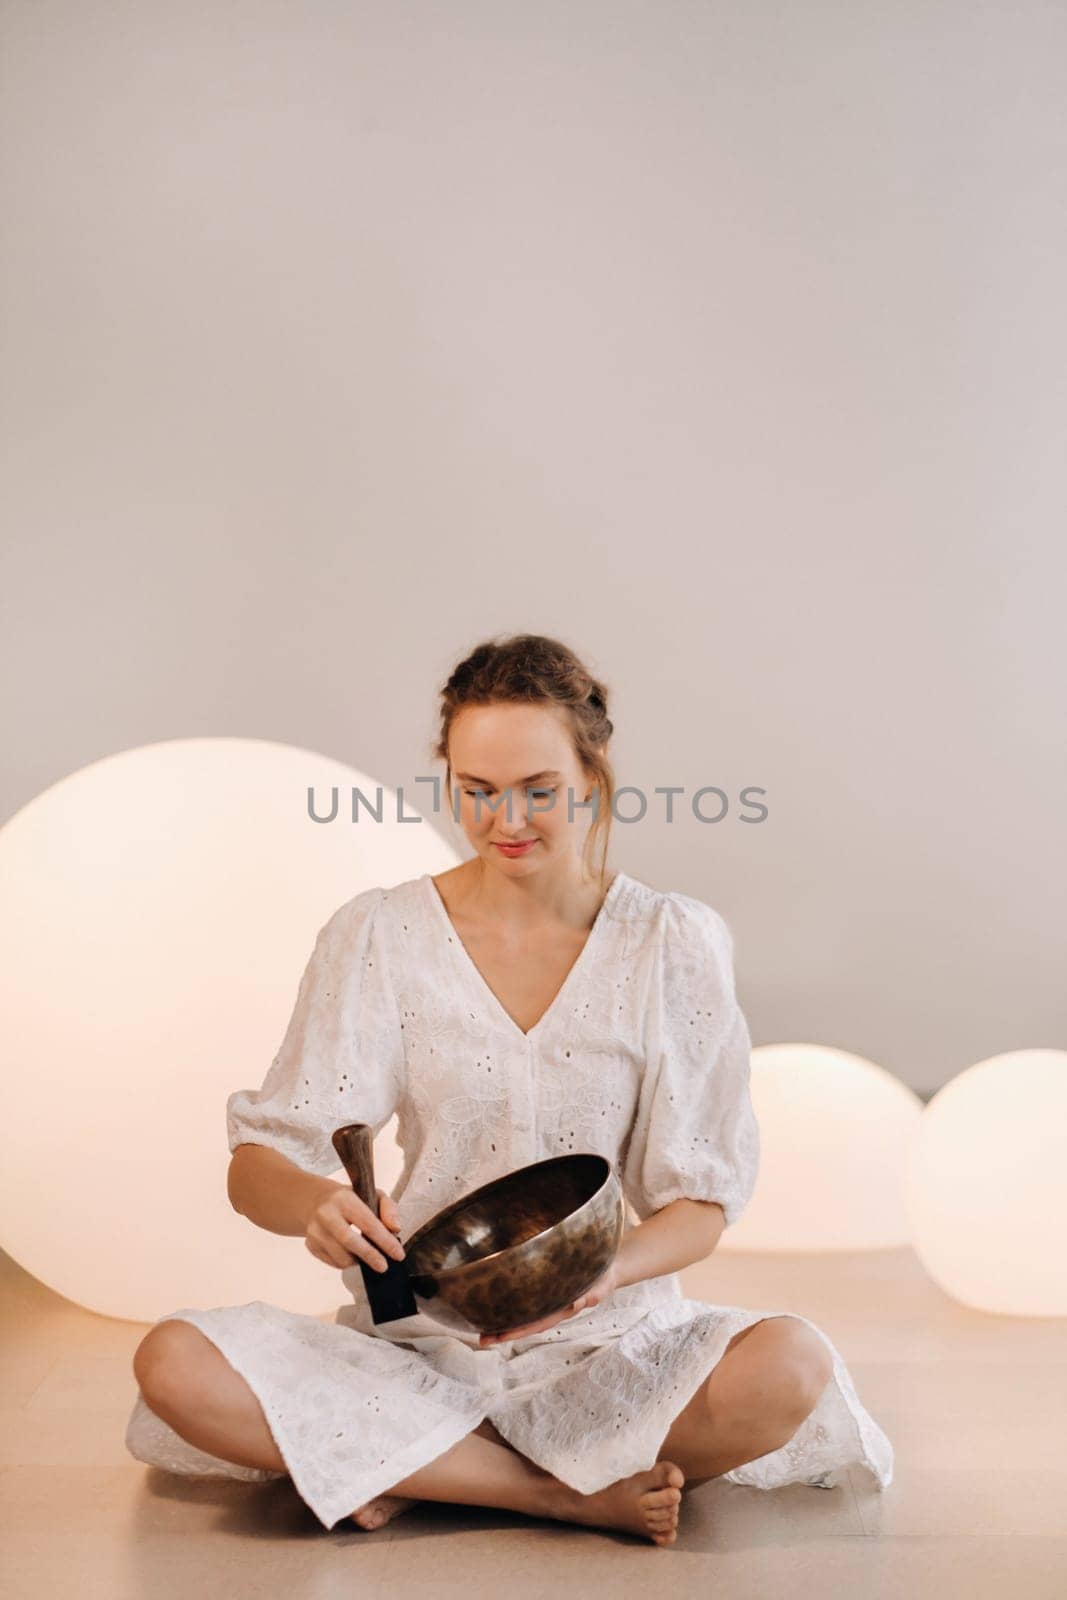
pixel 271 1191
pixel 683 1232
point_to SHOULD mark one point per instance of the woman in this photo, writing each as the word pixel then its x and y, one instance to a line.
pixel 517 1007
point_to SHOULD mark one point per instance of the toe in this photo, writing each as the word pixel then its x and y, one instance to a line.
pixel 663 1497
pixel 369 1516
pixel 662 1515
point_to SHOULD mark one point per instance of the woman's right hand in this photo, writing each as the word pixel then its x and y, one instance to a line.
pixel 330 1236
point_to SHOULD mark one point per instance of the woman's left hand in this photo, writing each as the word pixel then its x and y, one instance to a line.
pixel 596 1292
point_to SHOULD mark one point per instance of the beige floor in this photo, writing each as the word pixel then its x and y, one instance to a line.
pixel 976 1408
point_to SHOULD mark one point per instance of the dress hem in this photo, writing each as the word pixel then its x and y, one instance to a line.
pixel 378 1480
pixel 829 1454
pixel 689 1336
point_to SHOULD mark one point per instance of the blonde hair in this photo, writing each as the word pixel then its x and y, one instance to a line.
pixel 531 669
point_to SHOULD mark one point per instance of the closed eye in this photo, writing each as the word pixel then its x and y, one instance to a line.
pixel 493 791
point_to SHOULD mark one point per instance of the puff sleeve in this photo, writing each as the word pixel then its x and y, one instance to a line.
pixel 342 1056
pixel 695 1134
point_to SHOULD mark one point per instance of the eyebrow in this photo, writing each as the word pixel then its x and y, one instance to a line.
pixel 468 777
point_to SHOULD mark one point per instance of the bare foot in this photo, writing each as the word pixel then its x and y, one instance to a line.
pixel 646 1503
pixel 382 1509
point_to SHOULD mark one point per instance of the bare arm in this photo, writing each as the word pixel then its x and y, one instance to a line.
pixel 683 1232
pixel 272 1191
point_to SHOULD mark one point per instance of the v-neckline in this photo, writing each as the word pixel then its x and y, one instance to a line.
pixel 468 962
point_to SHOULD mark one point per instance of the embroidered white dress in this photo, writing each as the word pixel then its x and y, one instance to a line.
pixel 643 1056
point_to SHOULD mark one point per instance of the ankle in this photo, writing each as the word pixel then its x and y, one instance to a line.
pixel 559 1500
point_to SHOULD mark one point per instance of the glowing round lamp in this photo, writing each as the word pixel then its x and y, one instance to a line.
pixel 835 1131
pixel 157 911
pixel 986 1185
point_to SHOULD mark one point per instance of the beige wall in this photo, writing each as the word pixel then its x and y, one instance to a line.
pixel 725 341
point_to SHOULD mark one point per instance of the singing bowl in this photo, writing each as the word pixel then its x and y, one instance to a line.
pixel 520 1248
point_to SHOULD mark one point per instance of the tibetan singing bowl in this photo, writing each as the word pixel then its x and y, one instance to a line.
pixel 516 1250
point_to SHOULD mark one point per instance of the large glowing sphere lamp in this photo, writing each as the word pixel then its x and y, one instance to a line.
pixel 835 1131
pixel 987 1185
pixel 157 911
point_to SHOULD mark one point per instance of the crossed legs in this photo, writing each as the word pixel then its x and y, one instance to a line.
pixel 767 1381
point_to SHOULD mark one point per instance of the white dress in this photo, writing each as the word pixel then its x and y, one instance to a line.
pixel 643 1056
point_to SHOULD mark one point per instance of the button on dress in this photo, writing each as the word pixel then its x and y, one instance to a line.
pixel 644 1057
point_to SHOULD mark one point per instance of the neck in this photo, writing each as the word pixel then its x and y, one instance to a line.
pixel 563 893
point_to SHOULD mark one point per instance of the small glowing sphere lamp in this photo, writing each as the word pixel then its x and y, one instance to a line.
pixel 157 911
pixel 986 1186
pixel 835 1131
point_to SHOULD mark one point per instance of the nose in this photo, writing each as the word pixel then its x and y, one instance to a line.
pixel 511 817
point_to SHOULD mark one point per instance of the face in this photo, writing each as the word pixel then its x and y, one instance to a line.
pixel 520 754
